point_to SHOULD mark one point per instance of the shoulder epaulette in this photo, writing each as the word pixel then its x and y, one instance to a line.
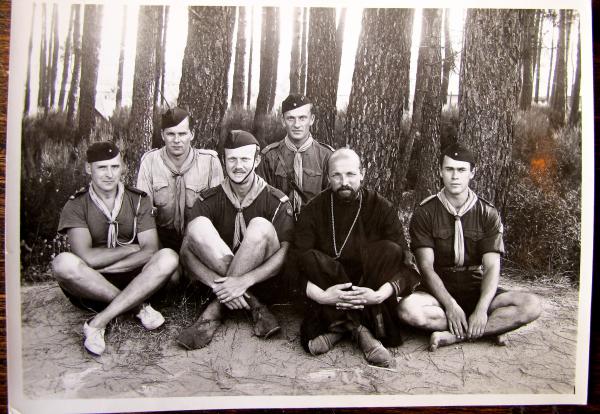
pixel 209 192
pixel 428 199
pixel 270 147
pixel 148 152
pixel 79 193
pixel 207 152
pixel 486 202
pixel 278 194
pixel 329 147
pixel 136 190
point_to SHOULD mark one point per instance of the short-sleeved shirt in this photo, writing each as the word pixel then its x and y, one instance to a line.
pixel 433 226
pixel 270 204
pixel 81 212
pixel 314 167
pixel 159 183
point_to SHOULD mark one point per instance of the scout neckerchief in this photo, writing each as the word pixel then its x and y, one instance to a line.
pixel 113 231
pixel 258 185
pixel 178 174
pixel 459 240
pixel 298 166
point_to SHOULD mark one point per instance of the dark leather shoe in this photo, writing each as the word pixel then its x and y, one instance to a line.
pixel 265 323
pixel 375 352
pixel 199 334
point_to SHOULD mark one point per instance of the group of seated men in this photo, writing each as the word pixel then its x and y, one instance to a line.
pixel 295 209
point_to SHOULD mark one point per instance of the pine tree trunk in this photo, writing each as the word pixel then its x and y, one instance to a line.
pixel 539 43
pixel 163 49
pixel 488 101
pixel 239 86
pixel 558 99
pixel 251 52
pixel 269 50
pixel 322 82
pixel 74 88
pixel 427 108
pixel 203 85
pixel 448 64
pixel 27 102
pixel 339 43
pixel 54 55
pixel 90 47
pixel 304 52
pixel 119 97
pixel 550 65
pixel 66 62
pixel 376 103
pixel 43 84
pixel 527 53
pixel 574 114
pixel 296 86
pixel 159 62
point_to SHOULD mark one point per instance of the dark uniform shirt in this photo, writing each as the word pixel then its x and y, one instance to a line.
pixel 270 204
pixel 314 167
pixel 81 212
pixel 432 226
pixel 378 220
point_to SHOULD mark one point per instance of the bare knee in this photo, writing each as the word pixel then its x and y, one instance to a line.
pixel 260 230
pixel 166 261
pixel 412 313
pixel 199 233
pixel 66 266
pixel 530 307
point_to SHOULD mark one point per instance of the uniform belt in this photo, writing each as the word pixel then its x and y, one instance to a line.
pixel 461 268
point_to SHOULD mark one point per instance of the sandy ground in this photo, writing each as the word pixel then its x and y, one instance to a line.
pixel 538 359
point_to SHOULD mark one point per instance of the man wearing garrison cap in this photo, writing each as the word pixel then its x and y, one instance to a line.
pixel 115 263
pixel 457 239
pixel 174 176
pixel 297 165
pixel 236 243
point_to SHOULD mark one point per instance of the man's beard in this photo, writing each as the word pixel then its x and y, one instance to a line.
pixel 349 196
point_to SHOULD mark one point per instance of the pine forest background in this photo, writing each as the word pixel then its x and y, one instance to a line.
pixel 396 85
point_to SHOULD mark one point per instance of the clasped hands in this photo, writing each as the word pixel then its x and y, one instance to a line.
pixel 231 291
pixel 345 296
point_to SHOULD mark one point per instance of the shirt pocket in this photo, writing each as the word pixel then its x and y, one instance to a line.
pixel 444 244
pixel 472 238
pixel 160 192
pixel 192 193
pixel 281 178
pixel 312 181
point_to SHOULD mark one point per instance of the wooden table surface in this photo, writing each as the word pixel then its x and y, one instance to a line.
pixel 594 374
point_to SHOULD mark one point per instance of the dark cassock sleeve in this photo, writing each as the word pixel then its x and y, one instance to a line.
pixel 305 236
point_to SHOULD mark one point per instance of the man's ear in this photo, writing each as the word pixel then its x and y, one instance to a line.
pixel 257 159
pixel 472 174
pixel 312 119
pixel 88 168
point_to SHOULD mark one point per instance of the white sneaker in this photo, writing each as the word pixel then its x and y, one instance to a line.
pixel 150 318
pixel 94 339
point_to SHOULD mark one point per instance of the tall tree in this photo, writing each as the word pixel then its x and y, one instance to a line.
pixel 538 58
pixel 427 108
pixel 304 51
pixel 141 124
pixel 90 47
pixel 163 49
pixel 322 80
pixel 448 64
pixel 43 84
pixel 239 86
pixel 119 97
pixel 550 65
pixel 269 53
pixel 558 96
pixel 159 59
pixel 74 88
pixel 251 52
pixel 381 72
pixel 488 102
pixel 574 114
pixel 66 61
pixel 203 85
pixel 527 61
pixel 29 52
pixel 53 69
pixel 296 83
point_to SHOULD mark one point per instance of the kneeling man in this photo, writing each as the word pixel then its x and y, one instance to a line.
pixel 353 253
pixel 115 263
pixel 457 240
pixel 237 242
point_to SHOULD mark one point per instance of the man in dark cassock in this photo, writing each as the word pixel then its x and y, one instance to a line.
pixel 457 240
pixel 115 263
pixel 356 261
pixel 236 243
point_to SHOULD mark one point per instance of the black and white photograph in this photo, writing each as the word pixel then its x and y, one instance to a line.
pixel 302 204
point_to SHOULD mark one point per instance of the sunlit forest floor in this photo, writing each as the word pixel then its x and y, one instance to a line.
pixel 539 358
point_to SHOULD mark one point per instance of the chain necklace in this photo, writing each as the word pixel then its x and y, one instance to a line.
pixel 335 250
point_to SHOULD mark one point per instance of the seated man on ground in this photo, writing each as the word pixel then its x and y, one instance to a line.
pixel 352 251
pixel 457 240
pixel 236 243
pixel 115 263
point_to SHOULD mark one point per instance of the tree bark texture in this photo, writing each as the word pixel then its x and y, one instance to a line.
pixel 376 102
pixel 239 85
pixel 527 61
pixel 559 83
pixel 66 62
pixel 550 65
pixel 159 61
pixel 74 88
pixel 43 84
pixel 296 82
pixel 269 52
pixel 53 69
pixel 427 108
pixel 488 101
pixel 163 49
pixel 203 85
pixel 339 42
pixel 322 82
pixel 448 64
pixel 90 47
pixel 251 52
pixel 538 51
pixel 304 51
pixel 119 97
pixel 574 114
pixel 27 100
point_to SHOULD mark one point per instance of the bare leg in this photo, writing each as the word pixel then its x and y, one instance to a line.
pixel 260 242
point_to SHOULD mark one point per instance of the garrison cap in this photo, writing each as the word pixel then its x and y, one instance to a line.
pixel 294 101
pixel 173 117
pixel 238 138
pixel 100 151
pixel 459 153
